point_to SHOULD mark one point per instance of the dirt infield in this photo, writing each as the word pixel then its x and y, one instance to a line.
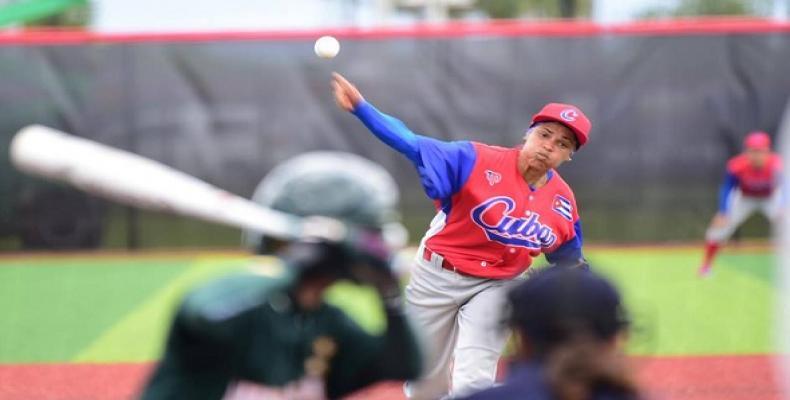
pixel 681 378
pixel 71 381
pixel 710 377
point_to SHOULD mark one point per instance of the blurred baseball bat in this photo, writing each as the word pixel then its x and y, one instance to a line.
pixel 136 181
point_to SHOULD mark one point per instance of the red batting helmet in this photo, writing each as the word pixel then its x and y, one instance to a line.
pixel 757 140
pixel 568 115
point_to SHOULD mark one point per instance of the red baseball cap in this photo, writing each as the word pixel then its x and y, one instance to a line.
pixel 568 115
pixel 757 140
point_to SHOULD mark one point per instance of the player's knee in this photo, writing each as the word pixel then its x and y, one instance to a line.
pixel 716 235
pixel 474 369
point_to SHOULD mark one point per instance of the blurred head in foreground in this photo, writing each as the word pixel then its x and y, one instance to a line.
pixel 558 305
pixel 339 185
pixel 572 321
pixel 570 327
pixel 343 186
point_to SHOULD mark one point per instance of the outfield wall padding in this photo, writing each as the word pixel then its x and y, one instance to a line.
pixel 667 109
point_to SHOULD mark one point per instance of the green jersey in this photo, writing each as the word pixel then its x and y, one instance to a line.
pixel 247 328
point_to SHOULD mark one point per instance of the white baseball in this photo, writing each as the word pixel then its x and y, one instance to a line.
pixel 326 47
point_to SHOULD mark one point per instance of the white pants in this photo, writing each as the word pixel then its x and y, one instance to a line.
pixel 741 208
pixel 462 320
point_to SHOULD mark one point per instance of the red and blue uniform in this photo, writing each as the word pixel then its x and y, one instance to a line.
pixel 489 224
pixel 749 179
pixel 489 221
pixel 756 190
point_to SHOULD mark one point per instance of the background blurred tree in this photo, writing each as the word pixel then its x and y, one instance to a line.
pixel 45 13
pixel 535 8
pixel 693 8
pixel 75 16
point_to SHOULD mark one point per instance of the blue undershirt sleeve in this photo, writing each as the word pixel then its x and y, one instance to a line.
pixel 443 166
pixel 730 182
pixel 570 252
pixel 389 130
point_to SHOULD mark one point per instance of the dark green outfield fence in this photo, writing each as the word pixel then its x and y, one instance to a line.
pixel 669 104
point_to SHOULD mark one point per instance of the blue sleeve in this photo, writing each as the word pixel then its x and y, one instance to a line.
pixel 730 182
pixel 389 130
pixel 570 252
pixel 444 167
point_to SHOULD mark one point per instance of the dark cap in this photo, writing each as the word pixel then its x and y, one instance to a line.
pixel 558 302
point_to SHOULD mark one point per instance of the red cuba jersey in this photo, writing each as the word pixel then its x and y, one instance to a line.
pixel 490 222
pixel 496 219
pixel 753 181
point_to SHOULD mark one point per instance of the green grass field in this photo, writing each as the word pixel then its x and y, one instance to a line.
pixel 101 308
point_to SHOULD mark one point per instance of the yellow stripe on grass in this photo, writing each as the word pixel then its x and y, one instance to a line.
pixel 139 336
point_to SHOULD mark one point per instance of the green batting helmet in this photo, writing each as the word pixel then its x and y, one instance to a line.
pixel 339 185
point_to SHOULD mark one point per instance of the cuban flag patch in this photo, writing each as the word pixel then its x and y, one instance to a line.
pixel 562 206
